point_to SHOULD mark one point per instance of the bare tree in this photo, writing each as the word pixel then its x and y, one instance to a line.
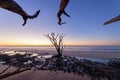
pixel 57 41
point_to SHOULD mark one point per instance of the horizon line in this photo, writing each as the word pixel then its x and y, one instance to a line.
pixel 49 45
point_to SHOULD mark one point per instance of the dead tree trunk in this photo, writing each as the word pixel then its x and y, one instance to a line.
pixel 57 41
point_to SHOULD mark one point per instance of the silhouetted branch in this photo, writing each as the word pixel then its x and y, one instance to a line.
pixel 117 18
pixel 57 41
pixel 61 11
pixel 12 6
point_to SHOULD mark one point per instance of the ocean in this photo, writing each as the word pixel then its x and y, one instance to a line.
pixel 69 48
pixel 99 52
pixel 95 48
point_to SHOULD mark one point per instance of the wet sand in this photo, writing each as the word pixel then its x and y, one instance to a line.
pixel 46 75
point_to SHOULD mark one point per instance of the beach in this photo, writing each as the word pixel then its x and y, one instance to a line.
pixel 46 75
pixel 59 75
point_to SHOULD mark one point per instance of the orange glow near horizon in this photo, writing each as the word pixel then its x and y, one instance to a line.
pixel 46 42
pixel 24 41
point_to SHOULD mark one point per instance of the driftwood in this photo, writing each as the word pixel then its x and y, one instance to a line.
pixel 12 6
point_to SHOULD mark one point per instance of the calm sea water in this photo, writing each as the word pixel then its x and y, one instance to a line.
pixel 95 48
pixel 73 48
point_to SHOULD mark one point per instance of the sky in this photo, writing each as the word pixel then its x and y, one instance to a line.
pixel 84 27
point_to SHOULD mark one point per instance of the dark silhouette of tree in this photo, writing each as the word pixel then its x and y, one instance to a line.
pixel 57 41
pixel 61 11
pixel 112 20
pixel 12 6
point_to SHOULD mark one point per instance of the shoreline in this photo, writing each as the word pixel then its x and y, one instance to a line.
pixel 87 54
pixel 60 75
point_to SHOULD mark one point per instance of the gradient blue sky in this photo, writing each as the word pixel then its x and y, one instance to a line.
pixel 84 27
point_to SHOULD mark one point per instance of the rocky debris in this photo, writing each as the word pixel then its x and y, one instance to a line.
pixel 80 67
pixel 114 63
pixel 17 60
pixel 95 69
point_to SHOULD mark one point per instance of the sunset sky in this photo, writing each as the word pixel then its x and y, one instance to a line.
pixel 84 27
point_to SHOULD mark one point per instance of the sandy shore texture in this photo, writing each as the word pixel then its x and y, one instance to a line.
pixel 46 75
pixel 42 75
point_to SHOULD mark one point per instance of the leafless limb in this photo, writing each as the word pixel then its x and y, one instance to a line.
pixel 57 41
